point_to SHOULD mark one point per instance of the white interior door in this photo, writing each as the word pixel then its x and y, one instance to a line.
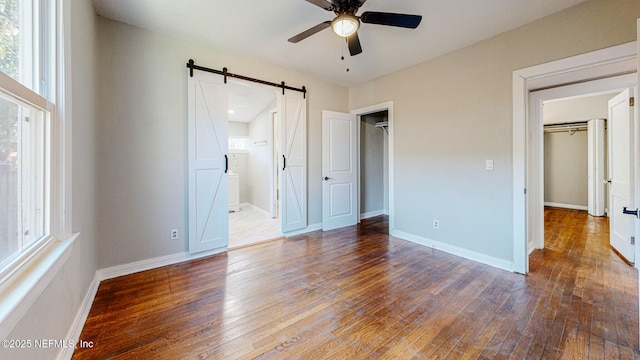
pixel 339 170
pixel 207 162
pixel 293 167
pixel 596 167
pixel 622 187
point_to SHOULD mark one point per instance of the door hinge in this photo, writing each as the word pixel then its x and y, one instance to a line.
pixel 631 101
pixel 633 240
pixel 525 191
pixel 26 119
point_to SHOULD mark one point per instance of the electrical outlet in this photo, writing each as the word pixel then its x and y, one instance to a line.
pixel 174 234
pixel 436 224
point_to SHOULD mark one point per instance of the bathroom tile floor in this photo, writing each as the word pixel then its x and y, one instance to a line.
pixel 251 225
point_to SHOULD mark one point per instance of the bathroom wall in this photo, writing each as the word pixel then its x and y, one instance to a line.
pixel 239 159
pixel 260 158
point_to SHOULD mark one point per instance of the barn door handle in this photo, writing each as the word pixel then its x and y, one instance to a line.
pixel 630 212
pixel 226 163
pixel 284 162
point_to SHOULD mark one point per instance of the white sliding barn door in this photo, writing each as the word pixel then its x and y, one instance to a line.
pixel 339 170
pixel 293 161
pixel 207 158
pixel 621 179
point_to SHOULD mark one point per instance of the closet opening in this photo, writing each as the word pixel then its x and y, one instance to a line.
pixel 575 152
pixel 374 164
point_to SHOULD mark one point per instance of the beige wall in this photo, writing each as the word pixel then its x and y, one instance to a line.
pixel 53 313
pixel 578 109
pixel 565 168
pixel 565 155
pixel 454 112
pixel 142 189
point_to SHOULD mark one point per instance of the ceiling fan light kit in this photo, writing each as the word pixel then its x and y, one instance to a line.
pixel 346 23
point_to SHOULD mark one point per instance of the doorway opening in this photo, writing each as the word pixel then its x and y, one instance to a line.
pixel 589 99
pixel 376 154
pixel 575 163
pixel 374 164
pixel 253 163
pixel 615 67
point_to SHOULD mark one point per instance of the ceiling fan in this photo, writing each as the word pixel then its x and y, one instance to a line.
pixel 346 23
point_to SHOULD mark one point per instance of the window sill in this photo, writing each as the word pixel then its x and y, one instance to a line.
pixel 25 286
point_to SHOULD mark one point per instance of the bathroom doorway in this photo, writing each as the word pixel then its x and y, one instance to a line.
pixel 253 162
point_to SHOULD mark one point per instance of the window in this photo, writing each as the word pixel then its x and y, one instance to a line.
pixel 238 144
pixel 27 118
pixel 35 153
pixel 23 169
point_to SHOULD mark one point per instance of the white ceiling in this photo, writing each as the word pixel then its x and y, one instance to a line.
pixel 247 100
pixel 260 29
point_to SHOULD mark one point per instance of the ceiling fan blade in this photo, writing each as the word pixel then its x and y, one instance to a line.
pixel 327 5
pixel 391 19
pixel 305 34
pixel 354 44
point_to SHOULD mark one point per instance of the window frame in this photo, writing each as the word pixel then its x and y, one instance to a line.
pixel 22 282
pixel 13 89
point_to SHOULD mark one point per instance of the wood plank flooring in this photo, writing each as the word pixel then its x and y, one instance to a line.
pixel 358 293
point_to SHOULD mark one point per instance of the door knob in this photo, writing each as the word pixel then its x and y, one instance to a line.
pixel 326 178
pixel 608 181
pixel 630 212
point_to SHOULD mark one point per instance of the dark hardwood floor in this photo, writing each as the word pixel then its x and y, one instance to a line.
pixel 357 293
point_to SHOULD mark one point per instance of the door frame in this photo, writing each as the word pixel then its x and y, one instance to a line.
pixel 388 106
pixel 528 209
pixel 536 100
pixel 274 150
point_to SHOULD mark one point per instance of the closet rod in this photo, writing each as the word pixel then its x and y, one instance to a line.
pixel 570 123
pixel 192 66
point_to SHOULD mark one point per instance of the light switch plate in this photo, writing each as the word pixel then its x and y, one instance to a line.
pixel 489 165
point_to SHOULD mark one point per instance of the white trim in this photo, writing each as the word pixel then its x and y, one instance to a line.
pixel 566 206
pixel 24 287
pixel 143 265
pixel 536 141
pixel 371 214
pixel 81 318
pixel 598 64
pixel 390 128
pixel 454 250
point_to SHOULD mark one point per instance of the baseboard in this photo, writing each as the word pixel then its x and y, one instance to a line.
pixel 454 250
pixel 371 214
pixel 310 228
pixel 138 266
pixel 566 206
pixel 81 317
